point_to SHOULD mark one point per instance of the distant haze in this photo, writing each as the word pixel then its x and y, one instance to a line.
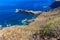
pixel 57 0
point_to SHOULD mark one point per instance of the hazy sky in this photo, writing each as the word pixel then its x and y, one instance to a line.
pixel 57 0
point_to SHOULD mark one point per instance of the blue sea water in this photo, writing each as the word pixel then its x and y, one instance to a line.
pixel 8 16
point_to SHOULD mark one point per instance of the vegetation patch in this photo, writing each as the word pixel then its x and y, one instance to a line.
pixel 50 29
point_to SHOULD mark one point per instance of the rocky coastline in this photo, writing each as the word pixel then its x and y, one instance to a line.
pixel 46 26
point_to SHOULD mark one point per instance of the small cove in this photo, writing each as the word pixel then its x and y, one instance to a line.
pixel 8 16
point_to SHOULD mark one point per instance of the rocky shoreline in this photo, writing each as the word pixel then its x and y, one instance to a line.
pixel 36 30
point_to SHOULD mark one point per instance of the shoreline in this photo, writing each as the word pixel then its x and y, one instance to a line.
pixel 46 19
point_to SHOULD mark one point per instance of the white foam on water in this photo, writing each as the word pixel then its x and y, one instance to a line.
pixel 24 21
pixel 17 10
pixel 0 25
pixel 8 25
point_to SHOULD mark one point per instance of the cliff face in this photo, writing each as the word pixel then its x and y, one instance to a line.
pixel 50 19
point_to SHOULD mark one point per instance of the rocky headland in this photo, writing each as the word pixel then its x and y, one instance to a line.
pixel 46 26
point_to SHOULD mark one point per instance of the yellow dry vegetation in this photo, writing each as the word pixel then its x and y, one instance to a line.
pixel 46 19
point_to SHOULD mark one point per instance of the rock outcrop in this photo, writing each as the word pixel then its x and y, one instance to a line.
pixel 50 19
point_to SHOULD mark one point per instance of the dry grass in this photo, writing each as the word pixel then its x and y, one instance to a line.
pixel 50 19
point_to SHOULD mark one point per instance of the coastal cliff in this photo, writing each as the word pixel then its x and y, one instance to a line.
pixel 46 21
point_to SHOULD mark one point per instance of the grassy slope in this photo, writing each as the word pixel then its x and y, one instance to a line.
pixel 50 19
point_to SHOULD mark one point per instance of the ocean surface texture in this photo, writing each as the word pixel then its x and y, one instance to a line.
pixel 9 17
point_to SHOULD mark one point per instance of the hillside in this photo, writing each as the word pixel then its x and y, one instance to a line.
pixel 45 21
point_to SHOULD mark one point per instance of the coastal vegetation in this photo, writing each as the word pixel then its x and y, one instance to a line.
pixel 46 26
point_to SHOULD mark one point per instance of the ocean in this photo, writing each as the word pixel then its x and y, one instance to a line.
pixel 8 16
